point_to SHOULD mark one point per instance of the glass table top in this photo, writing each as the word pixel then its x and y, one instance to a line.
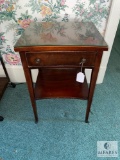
pixel 61 34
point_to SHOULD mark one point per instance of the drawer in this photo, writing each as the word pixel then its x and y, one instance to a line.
pixel 60 58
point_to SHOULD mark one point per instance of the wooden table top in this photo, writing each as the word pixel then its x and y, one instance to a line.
pixel 42 34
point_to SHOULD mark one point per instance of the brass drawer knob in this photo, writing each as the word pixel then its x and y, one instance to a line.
pixel 37 60
pixel 82 61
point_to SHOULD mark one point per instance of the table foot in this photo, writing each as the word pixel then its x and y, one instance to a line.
pixel 36 120
pixel 13 85
pixel 86 121
pixel 1 118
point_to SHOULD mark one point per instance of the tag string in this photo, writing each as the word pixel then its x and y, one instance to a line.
pixel 82 62
pixel 81 66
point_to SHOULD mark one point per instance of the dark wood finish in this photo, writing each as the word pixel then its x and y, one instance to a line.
pixel 3 84
pixel 60 48
pixel 60 80
pixel 29 83
pixel 59 63
pixel 4 68
pixel 3 80
pixel 93 83
pixel 60 58
pixel 60 83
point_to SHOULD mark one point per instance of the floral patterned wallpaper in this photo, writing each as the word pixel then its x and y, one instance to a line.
pixel 16 15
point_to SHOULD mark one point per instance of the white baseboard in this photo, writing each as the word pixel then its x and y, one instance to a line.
pixel 16 74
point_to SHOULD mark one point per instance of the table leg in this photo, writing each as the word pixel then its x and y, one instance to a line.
pixel 94 75
pixel 28 76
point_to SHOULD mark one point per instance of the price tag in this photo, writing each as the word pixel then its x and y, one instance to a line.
pixel 80 77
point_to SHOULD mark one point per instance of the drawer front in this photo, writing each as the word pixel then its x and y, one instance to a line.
pixel 60 58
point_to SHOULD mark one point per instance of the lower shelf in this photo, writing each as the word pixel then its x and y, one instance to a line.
pixel 3 84
pixel 60 83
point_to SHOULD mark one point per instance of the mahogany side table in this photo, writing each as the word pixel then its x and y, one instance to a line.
pixel 4 81
pixel 61 50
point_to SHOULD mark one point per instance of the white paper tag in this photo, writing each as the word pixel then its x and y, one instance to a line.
pixel 80 77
